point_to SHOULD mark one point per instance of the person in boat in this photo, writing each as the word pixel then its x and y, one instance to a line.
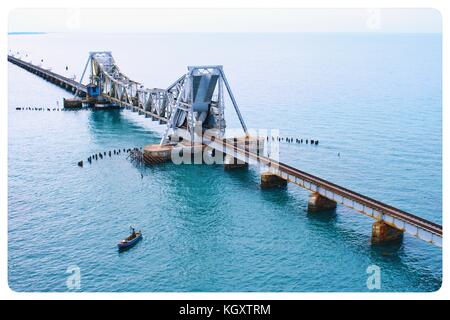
pixel 133 233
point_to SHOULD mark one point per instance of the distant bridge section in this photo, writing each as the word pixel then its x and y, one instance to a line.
pixel 61 81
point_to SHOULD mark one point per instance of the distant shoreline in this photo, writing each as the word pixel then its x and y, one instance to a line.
pixel 20 33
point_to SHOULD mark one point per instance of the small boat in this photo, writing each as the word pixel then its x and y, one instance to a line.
pixel 130 241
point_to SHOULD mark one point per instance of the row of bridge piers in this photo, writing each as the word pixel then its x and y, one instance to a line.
pixel 381 231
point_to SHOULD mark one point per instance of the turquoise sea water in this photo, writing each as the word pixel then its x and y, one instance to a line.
pixel 373 98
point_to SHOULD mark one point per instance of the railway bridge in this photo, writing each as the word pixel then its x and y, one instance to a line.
pixel 192 109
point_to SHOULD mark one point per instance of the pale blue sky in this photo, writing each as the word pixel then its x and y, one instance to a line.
pixel 225 20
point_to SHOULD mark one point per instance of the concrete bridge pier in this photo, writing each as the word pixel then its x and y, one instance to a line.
pixel 155 153
pixel 382 233
pixel 317 203
pixel 231 162
pixel 270 180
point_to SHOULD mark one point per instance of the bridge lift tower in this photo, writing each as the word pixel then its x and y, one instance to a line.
pixel 199 101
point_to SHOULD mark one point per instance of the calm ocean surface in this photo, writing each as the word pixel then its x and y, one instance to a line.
pixel 373 98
